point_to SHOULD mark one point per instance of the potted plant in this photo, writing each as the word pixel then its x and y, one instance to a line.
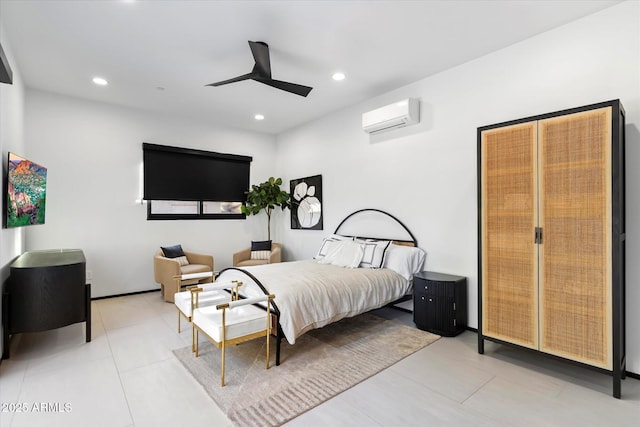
pixel 266 196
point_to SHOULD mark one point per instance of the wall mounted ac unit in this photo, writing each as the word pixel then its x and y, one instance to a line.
pixel 392 116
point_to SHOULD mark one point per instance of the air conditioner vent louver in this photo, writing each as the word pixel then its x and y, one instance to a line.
pixel 399 114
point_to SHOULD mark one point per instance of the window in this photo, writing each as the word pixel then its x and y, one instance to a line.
pixel 181 209
pixel 182 183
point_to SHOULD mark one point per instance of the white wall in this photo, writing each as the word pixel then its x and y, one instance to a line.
pixel 426 175
pixel 93 153
pixel 11 139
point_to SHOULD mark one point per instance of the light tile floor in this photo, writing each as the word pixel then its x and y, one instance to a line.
pixel 128 376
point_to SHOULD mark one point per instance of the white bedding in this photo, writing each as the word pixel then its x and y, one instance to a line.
pixel 311 295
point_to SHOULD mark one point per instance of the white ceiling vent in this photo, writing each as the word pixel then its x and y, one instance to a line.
pixel 399 114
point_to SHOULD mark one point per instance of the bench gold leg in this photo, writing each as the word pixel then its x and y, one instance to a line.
pixel 193 337
pixel 222 375
pixel 224 338
pixel 197 343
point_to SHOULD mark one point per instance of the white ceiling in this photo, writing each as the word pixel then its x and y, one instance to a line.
pixel 180 45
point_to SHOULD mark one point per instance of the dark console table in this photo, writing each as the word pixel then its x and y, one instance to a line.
pixel 45 290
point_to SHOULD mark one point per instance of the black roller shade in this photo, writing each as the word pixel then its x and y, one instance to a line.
pixel 174 173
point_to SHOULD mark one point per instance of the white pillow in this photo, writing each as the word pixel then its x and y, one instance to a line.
pixel 374 252
pixel 328 243
pixel 405 260
pixel 344 253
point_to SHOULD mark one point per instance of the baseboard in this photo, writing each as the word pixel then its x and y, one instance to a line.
pixel 632 375
pixel 126 294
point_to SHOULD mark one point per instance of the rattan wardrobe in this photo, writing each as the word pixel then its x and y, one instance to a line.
pixel 551 235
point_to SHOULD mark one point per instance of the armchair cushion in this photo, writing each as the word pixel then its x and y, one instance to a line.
pixel 194 268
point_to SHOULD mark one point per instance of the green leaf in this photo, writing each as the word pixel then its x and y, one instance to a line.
pixel 266 196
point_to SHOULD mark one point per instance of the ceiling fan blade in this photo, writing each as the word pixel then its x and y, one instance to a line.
pixel 286 86
pixel 235 79
pixel 262 72
pixel 260 51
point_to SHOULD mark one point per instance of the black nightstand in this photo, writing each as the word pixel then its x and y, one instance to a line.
pixel 440 303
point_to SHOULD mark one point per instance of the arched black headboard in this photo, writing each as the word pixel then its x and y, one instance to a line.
pixel 413 239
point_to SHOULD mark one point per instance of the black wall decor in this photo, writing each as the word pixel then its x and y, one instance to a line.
pixel 306 203
pixel 6 75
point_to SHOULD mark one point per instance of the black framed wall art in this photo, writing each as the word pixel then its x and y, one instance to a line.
pixel 306 203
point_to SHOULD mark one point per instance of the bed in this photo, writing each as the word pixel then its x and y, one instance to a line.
pixel 313 293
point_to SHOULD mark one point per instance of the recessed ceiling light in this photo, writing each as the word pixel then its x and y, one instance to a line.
pixel 100 81
pixel 258 117
pixel 338 76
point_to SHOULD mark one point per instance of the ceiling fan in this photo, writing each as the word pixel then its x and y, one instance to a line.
pixel 262 72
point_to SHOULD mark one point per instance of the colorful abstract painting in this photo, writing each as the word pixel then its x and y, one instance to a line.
pixel 26 192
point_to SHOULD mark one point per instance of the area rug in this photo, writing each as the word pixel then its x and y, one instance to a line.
pixel 322 363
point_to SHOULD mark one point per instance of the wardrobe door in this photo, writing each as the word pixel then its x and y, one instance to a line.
pixel 575 216
pixel 508 219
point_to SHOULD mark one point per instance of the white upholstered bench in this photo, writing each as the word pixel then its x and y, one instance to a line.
pixel 234 322
pixel 202 296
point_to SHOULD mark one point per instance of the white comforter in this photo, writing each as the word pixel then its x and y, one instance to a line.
pixel 311 295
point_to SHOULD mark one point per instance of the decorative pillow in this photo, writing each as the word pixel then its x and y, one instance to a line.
pixel 172 251
pixel 263 245
pixel 405 260
pixel 260 254
pixel 176 252
pixel 374 252
pixel 261 250
pixel 182 260
pixel 328 243
pixel 344 253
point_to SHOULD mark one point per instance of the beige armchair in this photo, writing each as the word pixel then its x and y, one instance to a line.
pixel 243 258
pixel 165 269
